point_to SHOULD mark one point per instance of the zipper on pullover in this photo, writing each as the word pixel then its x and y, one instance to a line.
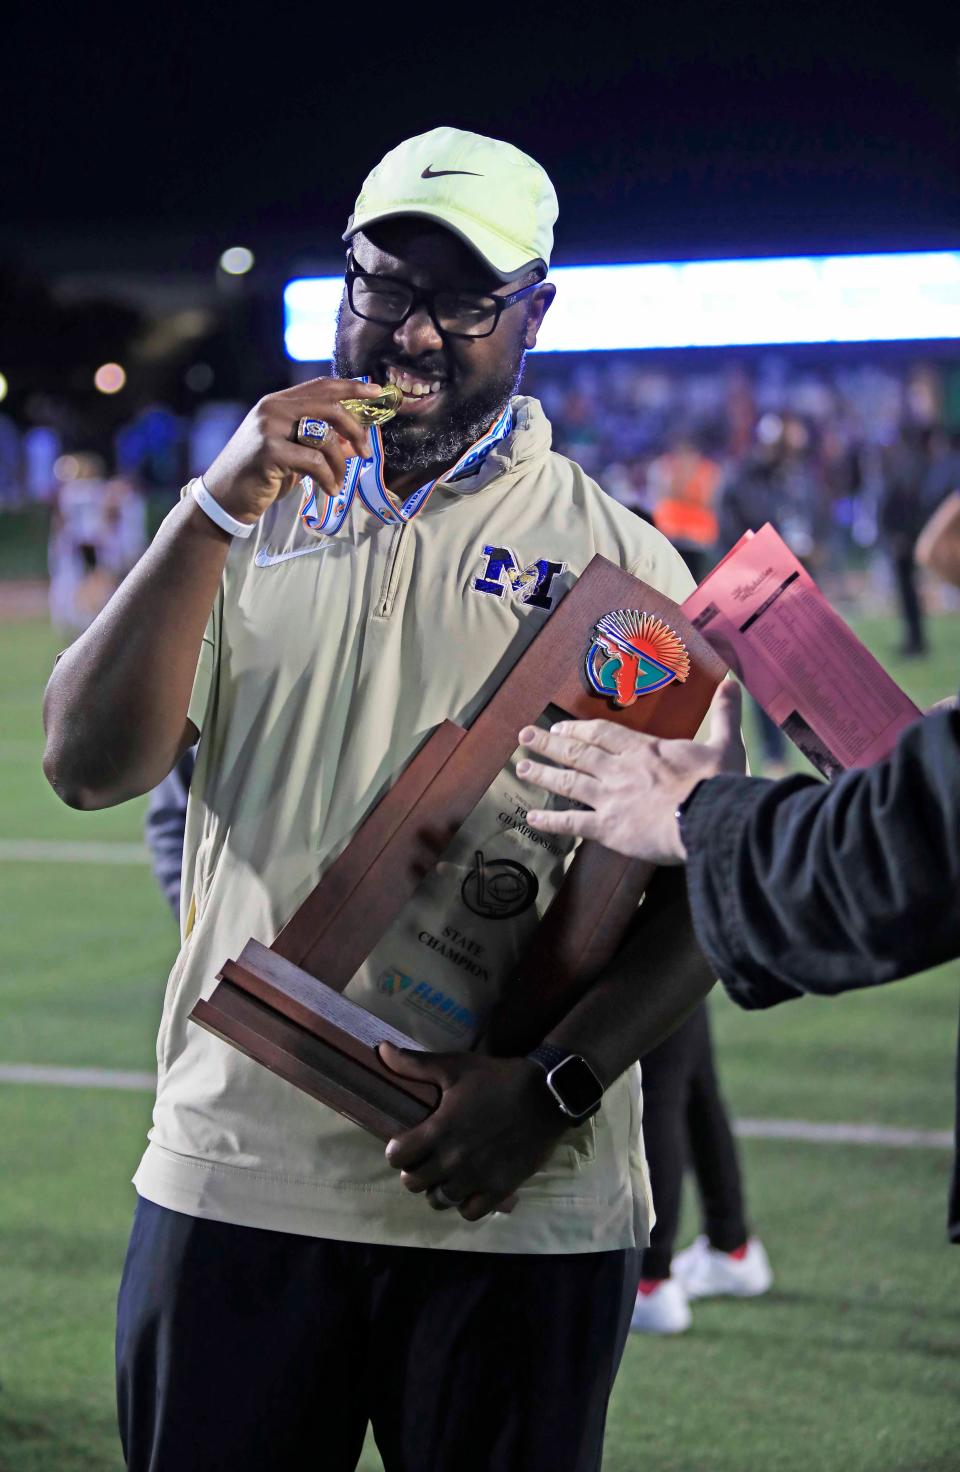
pixel 391 577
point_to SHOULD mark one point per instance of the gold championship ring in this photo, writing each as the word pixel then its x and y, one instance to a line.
pixel 312 432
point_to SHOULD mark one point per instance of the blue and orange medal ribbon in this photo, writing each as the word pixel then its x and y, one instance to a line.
pixel 325 514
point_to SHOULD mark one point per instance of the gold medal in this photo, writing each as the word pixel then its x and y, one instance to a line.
pixel 378 410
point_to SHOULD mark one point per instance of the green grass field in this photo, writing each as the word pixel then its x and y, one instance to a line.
pixel 852 1362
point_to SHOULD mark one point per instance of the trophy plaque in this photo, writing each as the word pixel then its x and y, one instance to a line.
pixel 614 648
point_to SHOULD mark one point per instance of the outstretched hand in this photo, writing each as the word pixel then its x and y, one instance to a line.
pixel 494 1127
pixel 630 784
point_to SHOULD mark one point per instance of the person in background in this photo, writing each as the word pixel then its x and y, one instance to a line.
pixel 683 490
pixel 756 491
pixel 125 518
pixel 938 545
pixel 685 1119
pixel 165 826
pixel 943 469
pixel 685 1122
pixel 901 515
pixel 81 580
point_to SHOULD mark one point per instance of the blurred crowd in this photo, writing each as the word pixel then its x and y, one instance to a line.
pixel 98 530
pixel 103 503
pixel 846 458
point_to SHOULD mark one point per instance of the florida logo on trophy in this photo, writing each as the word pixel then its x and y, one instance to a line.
pixel 634 654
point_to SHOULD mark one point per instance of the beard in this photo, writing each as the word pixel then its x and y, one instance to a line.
pixel 410 447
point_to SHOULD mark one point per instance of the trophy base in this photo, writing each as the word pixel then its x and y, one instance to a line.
pixel 316 1039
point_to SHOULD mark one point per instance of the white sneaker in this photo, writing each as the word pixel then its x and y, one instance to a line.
pixel 705 1272
pixel 663 1310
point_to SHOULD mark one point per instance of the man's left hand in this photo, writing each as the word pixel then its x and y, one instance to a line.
pixel 493 1129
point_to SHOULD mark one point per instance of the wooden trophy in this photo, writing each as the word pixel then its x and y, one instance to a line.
pixel 612 639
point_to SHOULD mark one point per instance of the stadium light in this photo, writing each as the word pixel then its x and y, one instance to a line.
pixel 895 297
pixel 109 378
pixel 236 260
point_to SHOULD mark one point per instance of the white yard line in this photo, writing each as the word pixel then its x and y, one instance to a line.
pixel 748 1129
pixel 53 851
pixel 77 1078
pixel 842 1134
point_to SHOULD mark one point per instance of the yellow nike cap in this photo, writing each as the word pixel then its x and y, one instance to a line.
pixel 499 201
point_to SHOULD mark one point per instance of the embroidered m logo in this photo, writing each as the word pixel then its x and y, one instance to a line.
pixel 530 584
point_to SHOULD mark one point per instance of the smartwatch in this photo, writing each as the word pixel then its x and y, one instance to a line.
pixel 571 1081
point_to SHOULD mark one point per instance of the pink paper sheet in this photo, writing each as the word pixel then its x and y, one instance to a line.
pixel 765 616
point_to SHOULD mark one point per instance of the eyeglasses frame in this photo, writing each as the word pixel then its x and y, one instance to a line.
pixel 428 299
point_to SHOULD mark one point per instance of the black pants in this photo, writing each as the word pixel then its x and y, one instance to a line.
pixel 684 1119
pixel 241 1350
pixel 911 609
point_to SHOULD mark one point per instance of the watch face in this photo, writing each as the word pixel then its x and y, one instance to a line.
pixel 576 1086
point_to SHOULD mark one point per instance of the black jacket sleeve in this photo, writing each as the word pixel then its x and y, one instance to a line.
pixel 797 886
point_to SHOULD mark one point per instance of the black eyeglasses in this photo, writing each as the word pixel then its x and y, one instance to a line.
pixel 390 301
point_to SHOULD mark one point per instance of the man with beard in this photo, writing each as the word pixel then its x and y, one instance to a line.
pixel 282 1287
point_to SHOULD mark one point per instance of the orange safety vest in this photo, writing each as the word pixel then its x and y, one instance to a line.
pixel 686 516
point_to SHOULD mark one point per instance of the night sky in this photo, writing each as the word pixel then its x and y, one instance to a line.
pixel 685 130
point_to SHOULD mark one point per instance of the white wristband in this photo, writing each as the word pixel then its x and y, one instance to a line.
pixel 216 513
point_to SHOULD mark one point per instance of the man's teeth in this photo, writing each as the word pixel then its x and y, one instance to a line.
pixel 410 385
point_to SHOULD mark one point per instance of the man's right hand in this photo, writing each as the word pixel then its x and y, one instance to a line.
pixel 632 783
pixel 116 707
pixel 263 460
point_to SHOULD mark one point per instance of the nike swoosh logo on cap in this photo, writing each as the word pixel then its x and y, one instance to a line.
pixel 270 559
pixel 431 173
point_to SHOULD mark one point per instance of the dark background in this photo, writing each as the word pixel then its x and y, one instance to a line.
pixel 135 146
pixel 678 129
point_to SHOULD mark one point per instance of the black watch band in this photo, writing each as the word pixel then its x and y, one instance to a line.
pixel 547 1056
pixel 575 1087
